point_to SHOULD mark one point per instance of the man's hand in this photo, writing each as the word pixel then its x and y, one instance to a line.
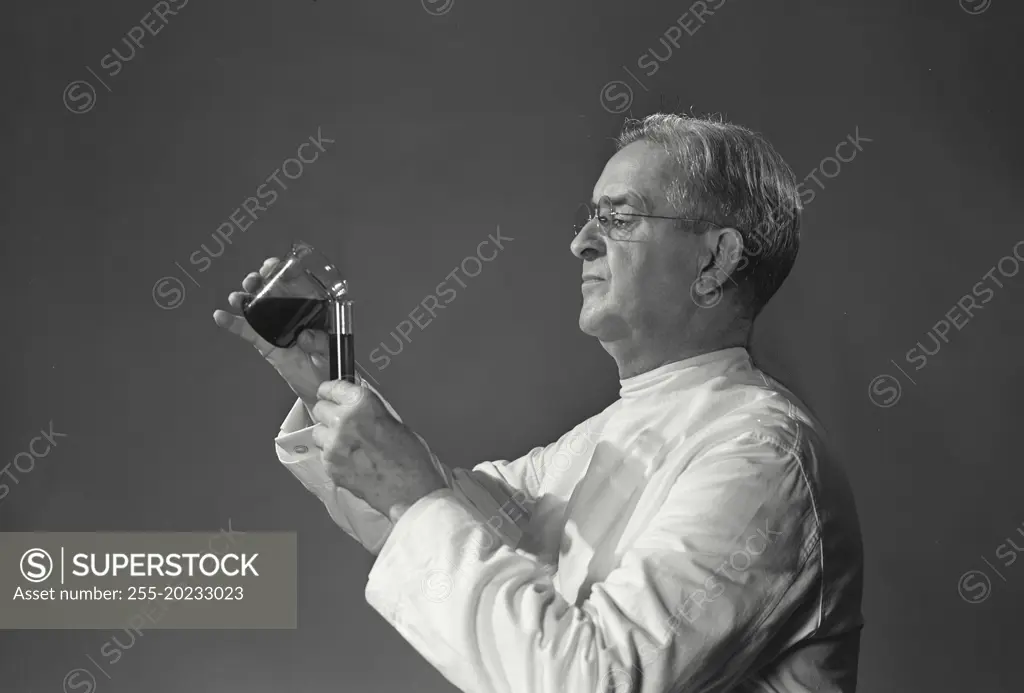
pixel 303 366
pixel 369 452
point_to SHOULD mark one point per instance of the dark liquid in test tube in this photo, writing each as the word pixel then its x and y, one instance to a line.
pixel 343 357
pixel 280 320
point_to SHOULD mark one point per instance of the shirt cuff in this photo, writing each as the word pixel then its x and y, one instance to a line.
pixel 298 418
pixel 297 452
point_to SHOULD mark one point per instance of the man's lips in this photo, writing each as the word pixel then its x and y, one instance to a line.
pixel 588 278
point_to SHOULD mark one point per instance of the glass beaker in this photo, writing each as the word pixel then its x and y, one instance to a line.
pixel 305 292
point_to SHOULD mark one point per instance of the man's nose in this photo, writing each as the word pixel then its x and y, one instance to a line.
pixel 589 242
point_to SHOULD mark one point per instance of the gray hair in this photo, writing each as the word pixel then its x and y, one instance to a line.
pixel 733 177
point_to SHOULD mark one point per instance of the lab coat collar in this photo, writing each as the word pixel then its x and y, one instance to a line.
pixel 680 375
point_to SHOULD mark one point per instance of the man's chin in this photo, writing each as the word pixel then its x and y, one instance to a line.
pixel 589 322
pixel 604 327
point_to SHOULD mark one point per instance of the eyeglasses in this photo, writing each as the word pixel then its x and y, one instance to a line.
pixel 614 224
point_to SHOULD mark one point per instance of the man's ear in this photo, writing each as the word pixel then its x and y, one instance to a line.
pixel 720 257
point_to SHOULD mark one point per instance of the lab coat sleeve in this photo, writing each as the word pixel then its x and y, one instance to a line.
pixel 496 491
pixel 719 568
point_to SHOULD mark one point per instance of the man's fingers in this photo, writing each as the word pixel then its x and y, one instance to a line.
pixel 341 392
pixel 237 299
pixel 324 437
pixel 236 324
pixel 268 266
pixel 252 282
pixel 321 362
pixel 314 342
pixel 319 435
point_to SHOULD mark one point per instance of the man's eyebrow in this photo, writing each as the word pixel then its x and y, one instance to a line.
pixel 631 198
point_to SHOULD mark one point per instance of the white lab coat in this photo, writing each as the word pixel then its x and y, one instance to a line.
pixel 693 536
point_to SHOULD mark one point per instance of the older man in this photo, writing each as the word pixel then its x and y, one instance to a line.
pixel 693 536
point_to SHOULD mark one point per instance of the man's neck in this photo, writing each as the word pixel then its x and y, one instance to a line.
pixel 634 357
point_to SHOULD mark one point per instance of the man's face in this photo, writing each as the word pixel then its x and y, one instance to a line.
pixel 642 285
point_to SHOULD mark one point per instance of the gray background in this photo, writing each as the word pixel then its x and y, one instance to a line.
pixel 447 126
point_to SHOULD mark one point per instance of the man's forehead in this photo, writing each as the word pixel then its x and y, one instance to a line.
pixel 634 175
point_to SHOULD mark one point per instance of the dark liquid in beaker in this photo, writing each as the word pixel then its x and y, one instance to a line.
pixel 280 320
